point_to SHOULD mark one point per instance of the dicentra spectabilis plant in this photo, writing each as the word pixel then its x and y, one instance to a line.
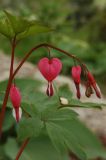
pixel 56 115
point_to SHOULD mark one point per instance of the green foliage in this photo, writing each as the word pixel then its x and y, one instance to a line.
pixel 30 127
pixel 62 140
pixel 37 148
pixel 11 26
pixel 51 114
pixel 9 121
pixel 47 116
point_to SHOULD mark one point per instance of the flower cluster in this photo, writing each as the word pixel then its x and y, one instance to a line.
pixel 50 69
pixel 90 83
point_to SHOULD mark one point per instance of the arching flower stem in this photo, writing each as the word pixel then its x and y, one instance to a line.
pixel 50 46
pixel 12 75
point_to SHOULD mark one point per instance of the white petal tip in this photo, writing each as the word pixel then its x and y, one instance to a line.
pixel 64 101
pixel 14 114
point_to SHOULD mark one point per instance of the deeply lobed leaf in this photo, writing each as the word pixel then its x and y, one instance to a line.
pixel 29 128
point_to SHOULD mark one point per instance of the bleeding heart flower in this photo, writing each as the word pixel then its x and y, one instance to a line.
pixel 76 73
pixel 15 98
pixel 92 83
pixel 50 69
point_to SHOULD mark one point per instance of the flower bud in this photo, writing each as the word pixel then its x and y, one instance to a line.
pixel 64 101
pixel 92 82
pixel 15 98
pixel 76 73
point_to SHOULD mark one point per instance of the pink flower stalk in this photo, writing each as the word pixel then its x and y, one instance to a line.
pixel 15 98
pixel 76 73
pixel 92 82
pixel 50 69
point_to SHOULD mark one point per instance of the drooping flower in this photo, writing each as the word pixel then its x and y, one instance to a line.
pixel 50 69
pixel 15 98
pixel 76 74
pixel 89 90
pixel 93 84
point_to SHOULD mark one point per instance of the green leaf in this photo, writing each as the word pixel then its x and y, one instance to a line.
pixel 30 127
pixel 36 149
pixel 54 114
pixel 77 103
pixel 11 26
pixel 95 105
pixel 5 26
pixel 8 121
pixel 2 153
pixel 65 121
pixel 11 148
pixel 64 91
pixel 64 140
pixel 18 24
pixel 26 85
pixel 87 140
pixel 2 94
pixel 30 109
pixel 34 28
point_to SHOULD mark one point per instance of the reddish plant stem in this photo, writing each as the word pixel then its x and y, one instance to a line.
pixel 12 56
pixel 50 46
pixel 22 148
pixel 2 113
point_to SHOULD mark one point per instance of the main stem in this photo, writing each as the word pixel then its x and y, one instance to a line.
pixel 2 113
pixel 22 148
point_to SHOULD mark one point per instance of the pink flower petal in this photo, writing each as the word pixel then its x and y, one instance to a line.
pixel 50 68
pixel 15 96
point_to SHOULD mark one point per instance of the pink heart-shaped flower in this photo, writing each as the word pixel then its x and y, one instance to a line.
pixel 76 73
pixel 50 68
